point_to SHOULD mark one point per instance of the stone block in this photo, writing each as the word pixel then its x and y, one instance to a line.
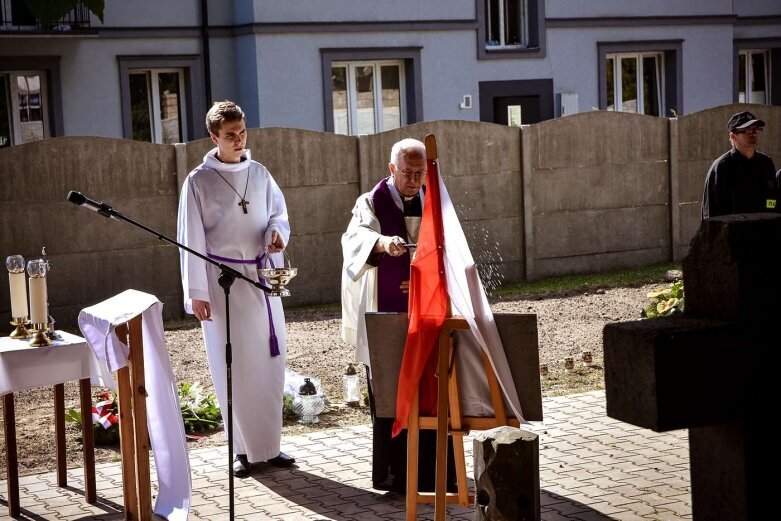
pixel 507 475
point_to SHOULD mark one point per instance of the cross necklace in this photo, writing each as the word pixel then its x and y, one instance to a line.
pixel 243 202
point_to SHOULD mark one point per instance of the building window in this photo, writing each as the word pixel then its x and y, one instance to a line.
pixel 157 106
pixel 23 107
pixel 506 24
pixel 634 82
pixel 754 76
pixel 367 96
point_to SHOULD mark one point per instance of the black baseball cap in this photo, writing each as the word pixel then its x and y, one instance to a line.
pixel 743 120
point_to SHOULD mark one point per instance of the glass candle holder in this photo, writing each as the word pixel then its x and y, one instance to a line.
pixel 351 385
pixel 18 285
pixel 308 404
pixel 39 313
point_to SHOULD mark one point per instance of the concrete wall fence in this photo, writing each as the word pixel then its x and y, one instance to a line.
pixel 584 193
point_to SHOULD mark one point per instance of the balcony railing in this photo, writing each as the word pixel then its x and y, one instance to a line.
pixel 15 16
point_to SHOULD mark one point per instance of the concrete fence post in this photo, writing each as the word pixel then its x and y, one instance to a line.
pixel 675 196
pixel 181 165
pixel 527 203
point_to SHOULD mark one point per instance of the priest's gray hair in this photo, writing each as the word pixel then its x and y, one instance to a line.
pixel 404 147
pixel 222 111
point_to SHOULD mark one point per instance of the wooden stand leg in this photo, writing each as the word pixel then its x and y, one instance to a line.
pixel 59 434
pixel 127 445
pixel 88 440
pixel 457 432
pixel 413 446
pixel 12 465
pixel 440 502
pixel 141 433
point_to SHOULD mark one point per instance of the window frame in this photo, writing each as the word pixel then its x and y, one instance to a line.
pixel 773 47
pixel 672 84
pixel 49 68
pixel 192 93
pixel 749 75
pixel 377 94
pixel 534 38
pixel 412 89
pixel 617 79
pixel 13 90
pixel 157 127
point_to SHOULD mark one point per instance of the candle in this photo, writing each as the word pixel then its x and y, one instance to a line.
pixel 39 314
pixel 16 281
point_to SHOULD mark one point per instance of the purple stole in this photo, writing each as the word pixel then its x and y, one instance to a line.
pixel 391 271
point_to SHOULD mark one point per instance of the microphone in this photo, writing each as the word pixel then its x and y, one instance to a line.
pixel 80 200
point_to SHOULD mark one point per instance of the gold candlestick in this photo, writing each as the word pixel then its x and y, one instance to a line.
pixel 39 336
pixel 21 332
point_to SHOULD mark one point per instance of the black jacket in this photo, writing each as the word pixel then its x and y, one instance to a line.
pixel 736 184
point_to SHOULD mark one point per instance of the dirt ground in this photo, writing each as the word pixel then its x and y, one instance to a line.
pixel 567 326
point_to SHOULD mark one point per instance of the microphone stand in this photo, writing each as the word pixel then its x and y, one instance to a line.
pixel 227 276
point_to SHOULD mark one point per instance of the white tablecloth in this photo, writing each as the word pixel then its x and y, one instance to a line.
pixel 23 367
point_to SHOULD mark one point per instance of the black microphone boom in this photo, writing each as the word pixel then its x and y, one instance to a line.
pixel 103 209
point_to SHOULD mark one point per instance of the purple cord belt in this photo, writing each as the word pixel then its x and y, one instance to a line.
pixel 258 262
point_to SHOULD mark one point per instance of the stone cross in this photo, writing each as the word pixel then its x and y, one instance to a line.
pixel 712 370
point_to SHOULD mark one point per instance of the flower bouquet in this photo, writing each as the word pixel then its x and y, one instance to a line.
pixel 105 418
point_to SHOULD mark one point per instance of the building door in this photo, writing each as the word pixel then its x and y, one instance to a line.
pixel 517 110
pixel 516 102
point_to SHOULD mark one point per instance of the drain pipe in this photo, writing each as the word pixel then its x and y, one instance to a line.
pixel 207 67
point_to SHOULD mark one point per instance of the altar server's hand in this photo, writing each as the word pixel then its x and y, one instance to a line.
pixel 277 244
pixel 202 310
pixel 404 286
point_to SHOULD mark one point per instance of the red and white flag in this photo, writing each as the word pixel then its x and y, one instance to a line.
pixel 443 269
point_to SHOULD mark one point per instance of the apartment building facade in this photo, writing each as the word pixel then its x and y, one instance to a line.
pixel 150 69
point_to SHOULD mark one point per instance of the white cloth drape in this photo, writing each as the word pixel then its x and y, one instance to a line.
pixel 164 418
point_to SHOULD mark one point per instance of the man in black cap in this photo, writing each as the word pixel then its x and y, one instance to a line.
pixel 742 180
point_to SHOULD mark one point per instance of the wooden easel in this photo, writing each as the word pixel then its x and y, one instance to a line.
pixel 134 436
pixel 449 421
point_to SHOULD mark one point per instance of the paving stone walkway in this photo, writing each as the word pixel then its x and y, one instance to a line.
pixel 592 468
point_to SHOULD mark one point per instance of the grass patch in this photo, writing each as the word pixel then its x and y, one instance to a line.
pixel 562 286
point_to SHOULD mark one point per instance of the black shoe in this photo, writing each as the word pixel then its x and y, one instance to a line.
pixel 283 460
pixel 241 466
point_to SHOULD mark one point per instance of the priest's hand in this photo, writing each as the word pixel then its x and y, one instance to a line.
pixel 277 244
pixel 202 310
pixel 404 287
pixel 393 246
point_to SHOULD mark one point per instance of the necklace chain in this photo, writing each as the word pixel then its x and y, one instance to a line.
pixel 243 201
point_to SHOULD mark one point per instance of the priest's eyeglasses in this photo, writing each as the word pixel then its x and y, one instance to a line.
pixel 417 175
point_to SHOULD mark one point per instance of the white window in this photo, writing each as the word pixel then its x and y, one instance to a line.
pixel 634 82
pixel 157 105
pixel 506 24
pixel 23 107
pixel 367 96
pixel 754 76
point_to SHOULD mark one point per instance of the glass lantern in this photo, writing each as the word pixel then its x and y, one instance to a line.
pixel 308 404
pixel 351 385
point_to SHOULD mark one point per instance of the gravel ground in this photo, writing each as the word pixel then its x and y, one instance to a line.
pixel 567 326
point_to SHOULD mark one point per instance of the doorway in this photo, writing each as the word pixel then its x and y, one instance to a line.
pixel 516 102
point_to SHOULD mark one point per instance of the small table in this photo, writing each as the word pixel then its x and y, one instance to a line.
pixel 23 367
